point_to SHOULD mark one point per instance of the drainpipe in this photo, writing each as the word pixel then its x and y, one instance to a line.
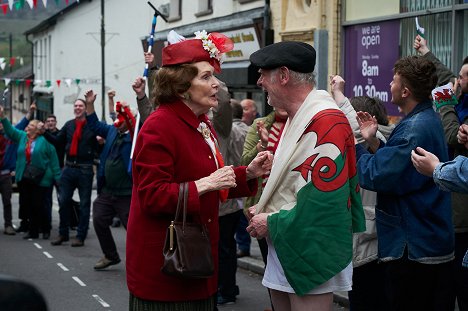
pixel 32 63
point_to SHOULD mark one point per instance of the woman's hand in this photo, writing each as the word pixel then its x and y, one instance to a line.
pixel 260 165
pixel 223 178
pixel 258 227
pixel 424 161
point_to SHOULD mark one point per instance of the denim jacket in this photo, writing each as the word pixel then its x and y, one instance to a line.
pixel 452 175
pixel 411 210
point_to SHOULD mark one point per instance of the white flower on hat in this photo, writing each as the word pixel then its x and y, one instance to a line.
pixel 208 44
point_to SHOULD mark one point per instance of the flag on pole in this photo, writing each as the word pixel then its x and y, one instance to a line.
pixel 419 29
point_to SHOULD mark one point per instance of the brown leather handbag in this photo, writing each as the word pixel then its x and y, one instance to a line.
pixel 187 248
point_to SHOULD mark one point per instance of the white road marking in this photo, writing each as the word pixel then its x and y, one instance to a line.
pixel 77 280
pixel 48 255
pixel 37 245
pixel 62 266
pixel 101 301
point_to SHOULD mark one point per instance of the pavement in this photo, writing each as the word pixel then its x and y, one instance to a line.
pixel 255 264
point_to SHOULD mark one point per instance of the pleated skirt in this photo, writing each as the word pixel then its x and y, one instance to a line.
pixel 137 304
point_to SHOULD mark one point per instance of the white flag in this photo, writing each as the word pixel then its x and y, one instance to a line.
pixel 7 81
pixel 68 82
pixel 2 63
pixel 44 2
pixel 10 3
pixel 31 3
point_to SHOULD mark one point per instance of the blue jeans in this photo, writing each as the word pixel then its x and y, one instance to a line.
pixel 72 178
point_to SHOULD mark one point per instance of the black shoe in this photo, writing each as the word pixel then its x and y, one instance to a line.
pixel 223 301
pixel 46 235
pixel 241 254
pixel 77 243
pixel 31 236
pixel 22 229
pixel 60 239
pixel 104 263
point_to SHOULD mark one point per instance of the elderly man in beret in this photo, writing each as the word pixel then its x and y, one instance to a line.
pixel 310 206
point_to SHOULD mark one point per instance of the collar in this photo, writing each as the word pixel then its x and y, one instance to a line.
pixel 419 107
pixel 186 114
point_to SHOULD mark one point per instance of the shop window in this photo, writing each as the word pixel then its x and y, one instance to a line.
pixel 420 5
pixel 204 8
pixel 438 34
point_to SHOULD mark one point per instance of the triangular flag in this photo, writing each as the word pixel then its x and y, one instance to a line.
pixel 17 82
pixel 10 3
pixel 4 8
pixel 66 1
pixel 12 61
pixel 77 81
pixel 31 4
pixel 17 6
pixel 28 82
pixel 44 2
pixel 58 83
pixel 57 2
pixel 2 63
pixel 68 82
pixel 48 83
pixel 37 82
pixel 35 3
pixel 21 61
pixel 7 81
pixel 21 3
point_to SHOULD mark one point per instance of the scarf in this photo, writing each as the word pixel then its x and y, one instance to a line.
pixel 76 137
pixel 28 151
pixel 213 143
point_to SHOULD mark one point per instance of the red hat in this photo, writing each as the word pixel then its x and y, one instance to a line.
pixel 205 47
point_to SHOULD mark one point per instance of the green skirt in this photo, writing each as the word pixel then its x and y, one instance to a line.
pixel 137 304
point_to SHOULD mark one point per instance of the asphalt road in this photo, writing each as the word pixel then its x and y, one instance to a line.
pixel 66 278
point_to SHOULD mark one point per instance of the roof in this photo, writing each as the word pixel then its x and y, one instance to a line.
pixel 24 72
pixel 51 21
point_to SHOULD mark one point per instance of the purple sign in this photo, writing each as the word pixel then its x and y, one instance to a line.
pixel 371 51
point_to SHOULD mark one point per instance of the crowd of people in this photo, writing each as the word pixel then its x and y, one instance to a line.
pixel 337 198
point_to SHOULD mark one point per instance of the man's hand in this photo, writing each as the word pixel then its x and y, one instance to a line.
pixel 462 135
pixel 32 109
pixel 424 161
pixel 139 87
pixel 337 84
pixel 260 165
pixel 368 126
pixel 111 94
pixel 258 227
pixel 420 45
pixel 90 97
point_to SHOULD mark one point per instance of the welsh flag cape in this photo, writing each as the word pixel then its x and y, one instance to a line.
pixel 313 194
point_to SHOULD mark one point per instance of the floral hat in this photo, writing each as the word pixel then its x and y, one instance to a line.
pixel 204 47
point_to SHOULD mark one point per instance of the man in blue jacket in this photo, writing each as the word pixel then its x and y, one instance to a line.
pixel 114 179
pixel 414 219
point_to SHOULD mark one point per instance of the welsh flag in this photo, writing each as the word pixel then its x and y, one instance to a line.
pixel 328 208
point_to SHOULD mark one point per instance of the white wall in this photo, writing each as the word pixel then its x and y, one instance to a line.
pixel 76 51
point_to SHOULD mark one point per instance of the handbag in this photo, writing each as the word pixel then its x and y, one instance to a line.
pixel 33 174
pixel 187 248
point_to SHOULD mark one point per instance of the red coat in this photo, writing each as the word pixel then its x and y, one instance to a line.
pixel 170 150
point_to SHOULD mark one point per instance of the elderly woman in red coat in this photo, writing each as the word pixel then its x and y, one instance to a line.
pixel 177 144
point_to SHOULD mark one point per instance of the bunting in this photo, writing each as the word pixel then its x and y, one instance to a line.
pixel 12 61
pixel 19 4
pixel 48 83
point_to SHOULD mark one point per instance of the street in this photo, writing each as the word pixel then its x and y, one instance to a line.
pixel 66 278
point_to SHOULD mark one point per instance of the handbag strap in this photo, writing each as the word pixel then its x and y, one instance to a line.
pixel 182 200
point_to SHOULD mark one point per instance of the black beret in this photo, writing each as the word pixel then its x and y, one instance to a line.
pixel 297 56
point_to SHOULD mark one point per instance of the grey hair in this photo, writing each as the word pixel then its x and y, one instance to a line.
pixel 302 77
pixel 296 77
